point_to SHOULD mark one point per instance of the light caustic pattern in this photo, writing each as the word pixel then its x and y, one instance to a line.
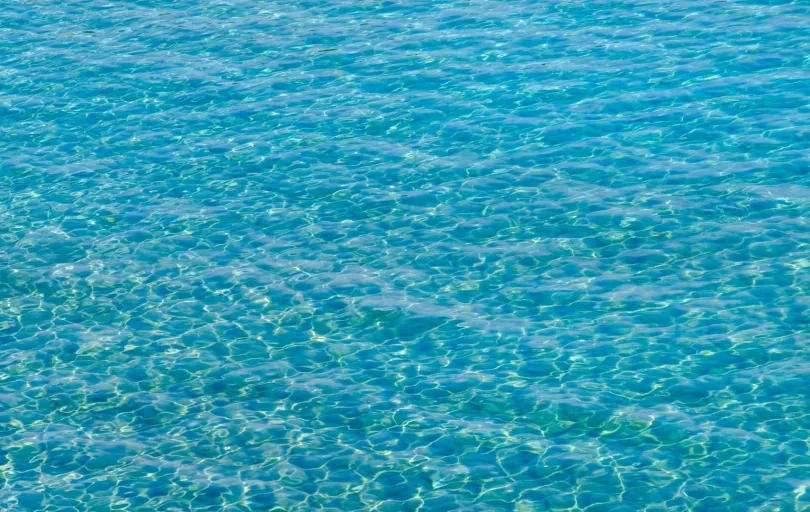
pixel 404 255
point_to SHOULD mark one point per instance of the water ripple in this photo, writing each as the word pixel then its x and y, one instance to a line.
pixel 471 255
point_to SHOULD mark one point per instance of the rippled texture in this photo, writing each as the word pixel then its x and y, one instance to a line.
pixel 356 255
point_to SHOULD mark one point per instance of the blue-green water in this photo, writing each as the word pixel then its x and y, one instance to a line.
pixel 404 255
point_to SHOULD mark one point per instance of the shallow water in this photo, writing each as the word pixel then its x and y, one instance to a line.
pixel 356 255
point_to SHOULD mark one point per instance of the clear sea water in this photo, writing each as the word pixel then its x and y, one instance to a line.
pixel 404 255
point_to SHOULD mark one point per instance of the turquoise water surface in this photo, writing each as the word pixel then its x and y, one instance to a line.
pixel 404 255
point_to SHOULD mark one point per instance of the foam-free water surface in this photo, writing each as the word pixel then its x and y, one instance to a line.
pixel 404 255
